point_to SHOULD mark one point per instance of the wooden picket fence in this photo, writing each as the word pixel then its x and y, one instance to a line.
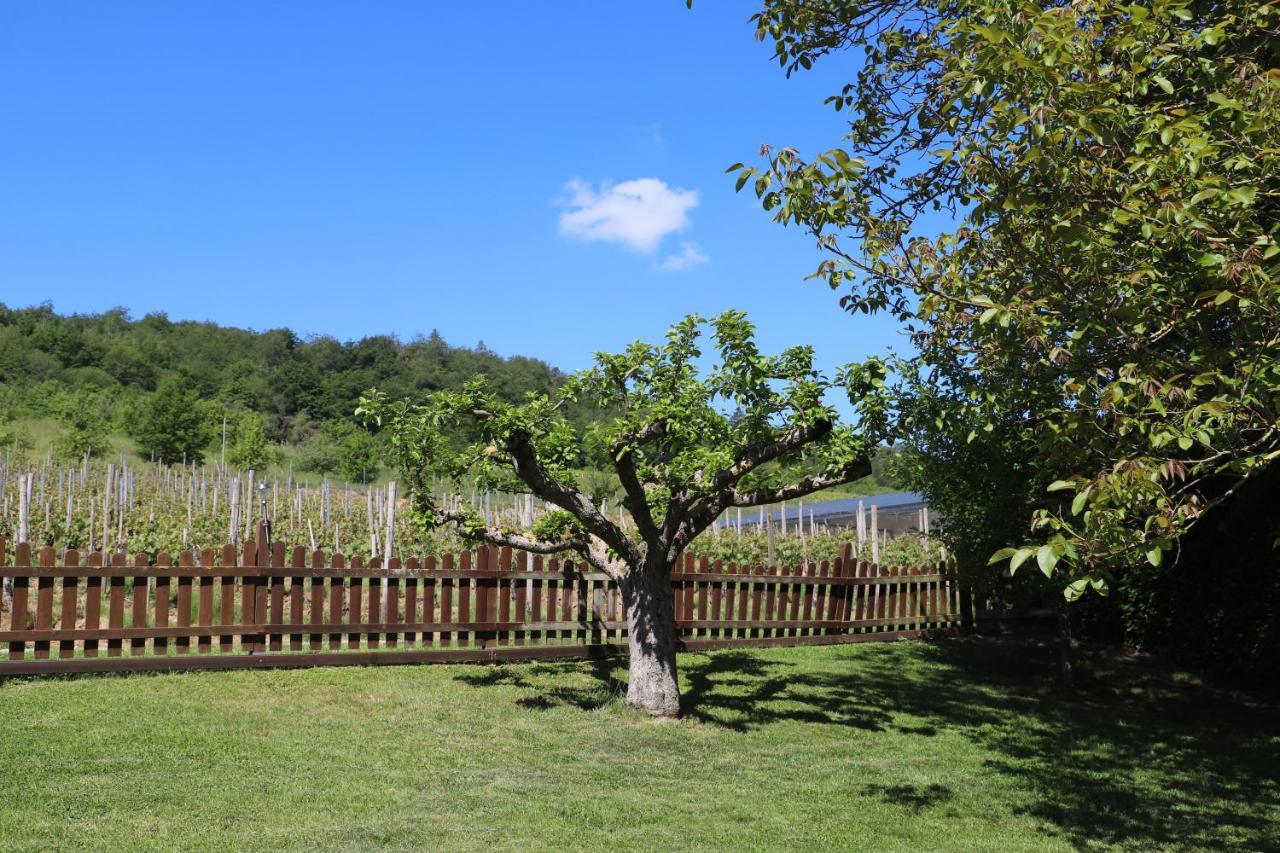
pixel 275 607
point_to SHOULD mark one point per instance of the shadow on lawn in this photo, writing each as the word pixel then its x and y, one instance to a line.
pixel 601 689
pixel 1130 756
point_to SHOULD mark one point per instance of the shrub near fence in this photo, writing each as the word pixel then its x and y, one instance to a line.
pixel 275 608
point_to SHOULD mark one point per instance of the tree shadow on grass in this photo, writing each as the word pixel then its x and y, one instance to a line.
pixel 546 688
pixel 1131 755
pixel 915 798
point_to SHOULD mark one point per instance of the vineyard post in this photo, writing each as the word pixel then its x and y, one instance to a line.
pixel 388 543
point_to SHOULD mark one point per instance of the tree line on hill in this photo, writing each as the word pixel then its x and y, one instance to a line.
pixel 170 384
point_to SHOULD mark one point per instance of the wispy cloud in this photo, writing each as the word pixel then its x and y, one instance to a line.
pixel 690 255
pixel 636 214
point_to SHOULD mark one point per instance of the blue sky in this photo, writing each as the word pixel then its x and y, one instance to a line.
pixel 547 178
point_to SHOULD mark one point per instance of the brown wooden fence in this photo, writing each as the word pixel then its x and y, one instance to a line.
pixel 287 608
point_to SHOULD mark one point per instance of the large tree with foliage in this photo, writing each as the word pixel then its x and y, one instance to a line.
pixel 1106 290
pixel 685 446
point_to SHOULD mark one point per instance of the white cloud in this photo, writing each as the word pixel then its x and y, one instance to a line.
pixel 690 255
pixel 636 214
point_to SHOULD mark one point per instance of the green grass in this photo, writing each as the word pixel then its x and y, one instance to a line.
pixel 960 745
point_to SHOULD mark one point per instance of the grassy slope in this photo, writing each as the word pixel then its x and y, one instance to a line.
pixel 962 745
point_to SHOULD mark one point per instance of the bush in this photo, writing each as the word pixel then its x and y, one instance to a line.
pixel 320 454
pixel 86 432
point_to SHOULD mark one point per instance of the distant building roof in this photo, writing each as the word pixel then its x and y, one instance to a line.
pixel 840 509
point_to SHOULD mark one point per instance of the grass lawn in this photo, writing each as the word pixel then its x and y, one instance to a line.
pixel 959 745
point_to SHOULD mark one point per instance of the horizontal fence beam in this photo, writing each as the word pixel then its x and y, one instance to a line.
pixel 677 578
pixel 381 658
pixel 287 628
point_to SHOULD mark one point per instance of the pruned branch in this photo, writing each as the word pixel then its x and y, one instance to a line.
pixel 651 431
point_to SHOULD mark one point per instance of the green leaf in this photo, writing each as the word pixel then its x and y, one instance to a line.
pixel 1002 554
pixel 1163 83
pixel 1241 195
pixel 1047 558
pixel 1075 589
pixel 1059 485
pixel 1155 556
pixel 1019 557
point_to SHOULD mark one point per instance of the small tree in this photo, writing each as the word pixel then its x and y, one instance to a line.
pixel 321 453
pixel 249 446
pixel 684 447
pixel 173 426
pixel 359 454
pixel 87 430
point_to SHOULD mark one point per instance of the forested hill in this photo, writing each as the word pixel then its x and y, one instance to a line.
pixel 52 365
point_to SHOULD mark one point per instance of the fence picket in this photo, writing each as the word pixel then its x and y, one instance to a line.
pixel 161 644
pixel 93 603
pixel 70 602
pixel 182 645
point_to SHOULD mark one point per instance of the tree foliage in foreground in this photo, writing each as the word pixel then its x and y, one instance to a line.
pixel 685 446
pixel 1108 294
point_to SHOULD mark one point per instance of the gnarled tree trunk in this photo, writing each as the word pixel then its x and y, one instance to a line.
pixel 651 624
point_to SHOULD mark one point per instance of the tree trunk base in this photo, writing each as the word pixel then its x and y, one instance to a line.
pixel 652 685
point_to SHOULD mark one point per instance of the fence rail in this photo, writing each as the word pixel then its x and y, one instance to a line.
pixel 278 607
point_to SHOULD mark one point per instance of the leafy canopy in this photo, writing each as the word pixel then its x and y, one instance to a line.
pixel 1109 289
pixel 685 443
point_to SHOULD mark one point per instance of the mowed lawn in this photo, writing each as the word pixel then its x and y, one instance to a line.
pixel 955 745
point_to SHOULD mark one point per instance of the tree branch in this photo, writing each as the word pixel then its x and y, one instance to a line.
pixel 541 483
pixel 805 486
pixel 758 454
pixel 638 502
pixel 512 540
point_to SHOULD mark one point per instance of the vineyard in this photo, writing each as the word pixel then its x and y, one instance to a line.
pixel 153 509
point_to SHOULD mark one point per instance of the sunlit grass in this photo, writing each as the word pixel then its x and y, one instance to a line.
pixel 960 745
